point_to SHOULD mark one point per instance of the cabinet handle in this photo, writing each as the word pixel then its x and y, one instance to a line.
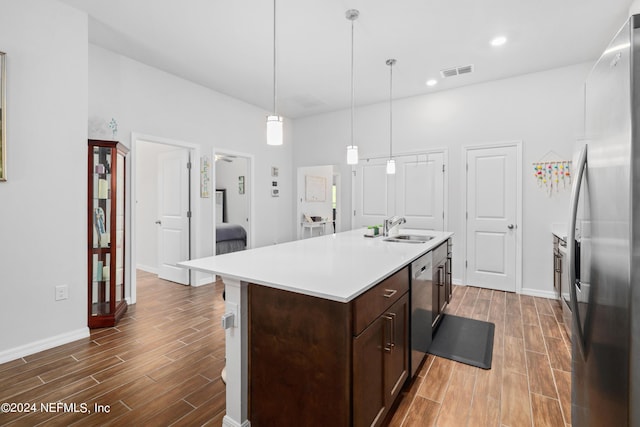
pixel 441 275
pixel 389 293
pixel 389 346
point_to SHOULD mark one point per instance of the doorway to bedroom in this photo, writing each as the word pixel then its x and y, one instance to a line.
pixel 232 214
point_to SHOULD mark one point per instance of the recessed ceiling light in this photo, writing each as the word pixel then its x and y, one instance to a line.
pixel 432 82
pixel 498 41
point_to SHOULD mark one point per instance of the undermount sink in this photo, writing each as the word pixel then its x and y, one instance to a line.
pixel 409 238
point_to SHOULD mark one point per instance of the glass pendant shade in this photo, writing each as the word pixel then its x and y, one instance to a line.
pixel 274 130
pixel 352 155
pixel 391 167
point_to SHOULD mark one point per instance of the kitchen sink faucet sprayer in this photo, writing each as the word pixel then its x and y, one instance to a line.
pixel 392 222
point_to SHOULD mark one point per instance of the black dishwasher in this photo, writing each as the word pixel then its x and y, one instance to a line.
pixel 421 309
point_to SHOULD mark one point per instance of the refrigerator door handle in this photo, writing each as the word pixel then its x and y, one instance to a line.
pixel 571 247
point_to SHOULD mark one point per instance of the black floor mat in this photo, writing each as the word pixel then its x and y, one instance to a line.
pixel 464 340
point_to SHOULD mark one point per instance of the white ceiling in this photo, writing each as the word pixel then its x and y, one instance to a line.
pixel 228 45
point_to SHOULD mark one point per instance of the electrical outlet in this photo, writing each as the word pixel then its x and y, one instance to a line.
pixel 62 292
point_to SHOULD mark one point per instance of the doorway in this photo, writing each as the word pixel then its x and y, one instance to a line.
pixel 318 201
pixel 493 215
pixel 163 215
pixel 232 203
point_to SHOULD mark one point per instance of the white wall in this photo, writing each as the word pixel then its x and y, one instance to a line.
pixel 43 219
pixel 543 110
pixel 148 101
pixel 227 174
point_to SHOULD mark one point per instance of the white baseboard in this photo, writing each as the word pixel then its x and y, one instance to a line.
pixel 202 279
pixel 41 345
pixel 229 422
pixel 147 268
pixel 538 293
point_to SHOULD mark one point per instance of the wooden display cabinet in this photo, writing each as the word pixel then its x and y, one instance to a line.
pixel 106 232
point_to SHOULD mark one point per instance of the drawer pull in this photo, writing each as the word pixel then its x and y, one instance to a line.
pixel 388 293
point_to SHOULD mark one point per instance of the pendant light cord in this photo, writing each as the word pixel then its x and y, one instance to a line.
pixel 275 68
pixel 390 110
pixel 352 83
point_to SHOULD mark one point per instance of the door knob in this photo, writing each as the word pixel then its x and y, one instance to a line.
pixel 511 226
pixel 159 222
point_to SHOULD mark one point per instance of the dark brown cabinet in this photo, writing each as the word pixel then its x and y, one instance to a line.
pixel 380 364
pixel 106 233
pixel 351 358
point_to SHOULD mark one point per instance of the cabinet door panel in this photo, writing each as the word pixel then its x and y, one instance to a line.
pixel 368 365
pixel 397 360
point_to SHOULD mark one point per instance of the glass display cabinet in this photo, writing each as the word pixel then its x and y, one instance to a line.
pixel 106 194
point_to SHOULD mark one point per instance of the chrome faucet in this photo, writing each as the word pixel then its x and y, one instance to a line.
pixel 391 222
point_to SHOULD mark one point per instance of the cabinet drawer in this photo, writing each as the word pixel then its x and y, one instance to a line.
pixel 440 253
pixel 368 306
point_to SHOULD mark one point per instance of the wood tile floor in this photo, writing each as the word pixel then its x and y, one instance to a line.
pixel 161 366
pixel 529 383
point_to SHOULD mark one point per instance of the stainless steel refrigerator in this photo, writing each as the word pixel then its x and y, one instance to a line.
pixel 604 261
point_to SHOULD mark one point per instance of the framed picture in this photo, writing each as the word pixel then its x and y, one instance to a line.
pixel 315 188
pixel 205 179
pixel 241 184
pixel 3 123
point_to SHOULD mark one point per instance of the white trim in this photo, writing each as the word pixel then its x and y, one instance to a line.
pixel 519 196
pixel 230 422
pixel 194 154
pixel 205 279
pixel 45 344
pixel 538 293
pixel 250 184
pixel 147 268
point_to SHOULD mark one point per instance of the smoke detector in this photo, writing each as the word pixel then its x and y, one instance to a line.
pixel 456 71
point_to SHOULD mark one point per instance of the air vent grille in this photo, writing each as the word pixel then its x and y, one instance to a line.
pixel 450 72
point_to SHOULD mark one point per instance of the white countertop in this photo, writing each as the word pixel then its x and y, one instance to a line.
pixel 337 267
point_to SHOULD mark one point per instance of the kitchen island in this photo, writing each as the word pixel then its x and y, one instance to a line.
pixel 301 305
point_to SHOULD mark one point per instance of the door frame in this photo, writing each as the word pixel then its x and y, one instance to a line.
pixel 194 229
pixel 519 171
pixel 249 180
pixel 445 183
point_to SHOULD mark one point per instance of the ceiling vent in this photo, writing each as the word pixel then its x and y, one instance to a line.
pixel 450 72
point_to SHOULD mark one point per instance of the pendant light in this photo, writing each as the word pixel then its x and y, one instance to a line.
pixel 352 150
pixel 274 121
pixel 391 163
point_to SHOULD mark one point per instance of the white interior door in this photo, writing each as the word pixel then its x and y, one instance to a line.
pixel 491 217
pixel 373 194
pixel 420 190
pixel 173 215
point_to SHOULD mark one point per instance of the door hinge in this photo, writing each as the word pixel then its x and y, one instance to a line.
pixel 466 214
pixel 465 264
pixel 467 166
pixel 442 168
pixel 188 214
pixel 353 172
pixel 354 213
pixel 188 165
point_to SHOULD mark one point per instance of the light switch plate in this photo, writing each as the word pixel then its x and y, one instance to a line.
pixel 62 292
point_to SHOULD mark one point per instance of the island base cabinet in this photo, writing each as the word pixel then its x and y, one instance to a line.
pixel 317 362
pixel 299 359
pixel 380 364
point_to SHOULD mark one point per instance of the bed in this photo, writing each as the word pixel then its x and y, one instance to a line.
pixel 230 238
